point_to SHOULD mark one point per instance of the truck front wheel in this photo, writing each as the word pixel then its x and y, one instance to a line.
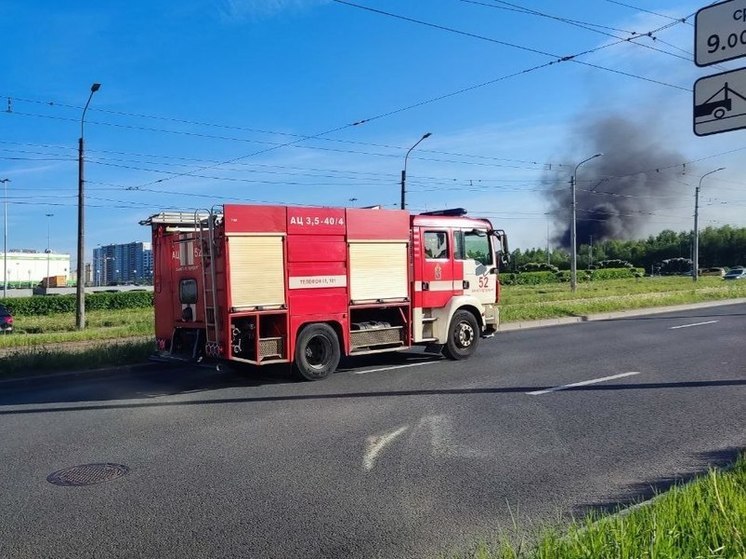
pixel 463 336
pixel 317 352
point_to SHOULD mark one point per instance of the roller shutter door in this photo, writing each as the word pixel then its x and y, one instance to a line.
pixel 257 273
pixel 378 271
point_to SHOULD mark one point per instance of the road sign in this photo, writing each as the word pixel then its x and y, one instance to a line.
pixel 720 103
pixel 720 32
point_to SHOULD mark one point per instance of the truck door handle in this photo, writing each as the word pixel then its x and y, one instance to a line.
pixel 465 284
pixel 425 286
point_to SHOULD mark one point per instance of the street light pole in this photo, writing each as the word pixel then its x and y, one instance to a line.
pixel 5 238
pixel 573 226
pixel 695 257
pixel 80 291
pixel 404 172
pixel 49 216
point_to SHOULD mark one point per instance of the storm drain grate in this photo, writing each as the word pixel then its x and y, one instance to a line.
pixel 87 474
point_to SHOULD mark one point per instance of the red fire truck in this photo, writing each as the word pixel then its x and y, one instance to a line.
pixel 306 285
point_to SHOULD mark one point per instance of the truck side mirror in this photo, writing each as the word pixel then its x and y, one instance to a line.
pixel 503 252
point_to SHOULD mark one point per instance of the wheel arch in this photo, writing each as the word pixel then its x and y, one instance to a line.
pixel 310 321
pixel 462 302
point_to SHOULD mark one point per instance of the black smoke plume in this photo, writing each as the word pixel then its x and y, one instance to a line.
pixel 639 174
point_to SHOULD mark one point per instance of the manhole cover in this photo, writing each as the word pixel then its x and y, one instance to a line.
pixel 87 474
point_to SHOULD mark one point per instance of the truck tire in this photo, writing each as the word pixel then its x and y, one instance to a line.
pixel 317 352
pixel 463 336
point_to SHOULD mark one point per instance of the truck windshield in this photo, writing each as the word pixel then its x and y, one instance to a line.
pixel 473 245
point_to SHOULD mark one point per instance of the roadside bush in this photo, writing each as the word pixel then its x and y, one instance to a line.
pixel 563 276
pixel 538 267
pixel 31 306
pixel 528 278
pixel 615 273
pixel 615 263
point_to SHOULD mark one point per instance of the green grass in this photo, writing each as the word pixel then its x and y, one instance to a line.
pixel 526 302
pixel 32 331
pixel 702 519
pixel 51 343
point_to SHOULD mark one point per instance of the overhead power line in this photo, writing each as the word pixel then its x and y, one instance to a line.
pixel 637 8
pixel 507 6
pixel 582 25
pixel 557 58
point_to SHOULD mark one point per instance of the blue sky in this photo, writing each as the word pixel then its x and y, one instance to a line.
pixel 206 102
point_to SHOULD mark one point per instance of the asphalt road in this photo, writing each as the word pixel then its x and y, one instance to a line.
pixel 397 456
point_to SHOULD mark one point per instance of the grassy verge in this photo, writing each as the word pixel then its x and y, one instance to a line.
pixel 34 331
pixel 523 302
pixel 40 359
pixel 51 343
pixel 703 519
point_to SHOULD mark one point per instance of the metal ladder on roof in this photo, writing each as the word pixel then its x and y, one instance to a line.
pixel 205 228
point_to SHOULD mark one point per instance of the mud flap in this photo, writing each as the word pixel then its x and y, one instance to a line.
pixel 434 348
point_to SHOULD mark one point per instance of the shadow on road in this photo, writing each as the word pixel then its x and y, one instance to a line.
pixel 645 490
pixel 233 381
pixel 169 379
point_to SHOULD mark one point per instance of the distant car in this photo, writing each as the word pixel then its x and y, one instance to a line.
pixel 717 272
pixel 6 320
pixel 735 274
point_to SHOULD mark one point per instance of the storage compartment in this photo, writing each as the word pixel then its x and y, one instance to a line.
pixel 378 328
pixel 269 345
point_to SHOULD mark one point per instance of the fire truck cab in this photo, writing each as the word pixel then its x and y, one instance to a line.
pixel 306 285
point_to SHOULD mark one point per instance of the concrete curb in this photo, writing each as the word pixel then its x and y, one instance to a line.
pixel 527 324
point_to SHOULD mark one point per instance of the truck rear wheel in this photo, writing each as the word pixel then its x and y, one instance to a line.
pixel 463 336
pixel 317 352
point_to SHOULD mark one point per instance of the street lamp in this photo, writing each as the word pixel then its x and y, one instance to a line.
pixel 80 291
pixel 573 227
pixel 695 259
pixel 5 239
pixel 48 251
pixel 404 171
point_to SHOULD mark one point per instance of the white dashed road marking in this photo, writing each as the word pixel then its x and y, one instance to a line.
pixel 582 383
pixel 695 324
pixel 395 367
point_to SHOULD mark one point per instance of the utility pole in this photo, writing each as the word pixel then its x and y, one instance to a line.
pixel 80 288
pixel 48 251
pixel 5 239
pixel 573 227
pixel 404 172
pixel 695 244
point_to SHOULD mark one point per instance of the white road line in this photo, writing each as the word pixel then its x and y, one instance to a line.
pixel 375 444
pixel 582 383
pixel 695 324
pixel 394 367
